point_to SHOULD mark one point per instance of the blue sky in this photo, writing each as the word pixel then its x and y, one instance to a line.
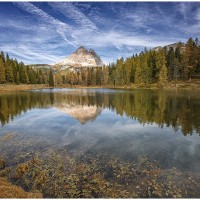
pixel 45 32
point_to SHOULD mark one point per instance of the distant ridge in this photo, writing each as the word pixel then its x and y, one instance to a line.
pixel 174 46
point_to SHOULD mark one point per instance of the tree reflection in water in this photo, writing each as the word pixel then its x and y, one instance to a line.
pixel 179 109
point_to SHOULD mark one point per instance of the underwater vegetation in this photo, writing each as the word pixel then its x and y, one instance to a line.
pixel 99 176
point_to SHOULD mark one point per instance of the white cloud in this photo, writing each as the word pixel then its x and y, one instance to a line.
pixel 72 12
pixel 30 54
pixel 120 39
pixel 185 9
pixel 149 30
pixel 63 29
pixel 197 15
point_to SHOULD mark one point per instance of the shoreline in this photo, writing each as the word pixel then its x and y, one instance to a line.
pixel 21 87
pixel 194 84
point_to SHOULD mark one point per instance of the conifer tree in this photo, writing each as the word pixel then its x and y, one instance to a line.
pixel 105 73
pixel 99 76
pixel 51 79
pixel 171 63
pixel 8 70
pixel 146 71
pixel 179 70
pixel 93 76
pixel 152 66
pixel 161 66
pixel 138 71
pixel 2 71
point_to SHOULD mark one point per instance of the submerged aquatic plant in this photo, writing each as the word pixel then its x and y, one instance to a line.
pixel 90 176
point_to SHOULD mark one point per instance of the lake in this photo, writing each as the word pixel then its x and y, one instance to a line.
pixel 78 142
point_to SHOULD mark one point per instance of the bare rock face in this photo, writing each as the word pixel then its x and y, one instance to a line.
pixel 80 58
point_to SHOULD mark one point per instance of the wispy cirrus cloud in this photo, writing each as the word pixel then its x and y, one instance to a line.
pixel 38 32
pixel 72 12
pixel 120 39
pixel 61 28
pixel 30 54
pixel 195 27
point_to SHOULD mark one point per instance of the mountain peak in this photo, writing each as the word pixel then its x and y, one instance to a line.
pixel 80 58
pixel 81 49
pixel 92 52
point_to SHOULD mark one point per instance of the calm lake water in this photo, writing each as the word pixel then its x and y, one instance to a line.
pixel 161 125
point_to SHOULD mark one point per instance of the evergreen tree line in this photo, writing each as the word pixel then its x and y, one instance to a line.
pixel 161 66
pixel 12 71
pixel 150 66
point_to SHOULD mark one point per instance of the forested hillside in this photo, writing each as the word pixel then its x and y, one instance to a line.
pixel 160 65
pixel 12 71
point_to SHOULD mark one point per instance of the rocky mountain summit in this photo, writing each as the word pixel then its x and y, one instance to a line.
pixel 80 58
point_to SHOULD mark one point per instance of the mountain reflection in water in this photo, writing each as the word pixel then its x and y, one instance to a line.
pixel 179 109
